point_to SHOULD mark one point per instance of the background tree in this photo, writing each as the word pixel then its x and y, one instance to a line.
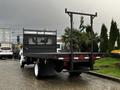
pixel 118 40
pixel 103 39
pixel 86 37
pixel 89 39
pixel 81 38
pixel 113 35
pixel 75 39
pixel 82 27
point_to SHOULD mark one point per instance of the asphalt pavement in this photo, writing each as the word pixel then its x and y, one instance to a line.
pixel 12 77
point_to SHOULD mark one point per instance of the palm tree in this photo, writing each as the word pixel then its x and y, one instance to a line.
pixel 81 40
pixel 75 39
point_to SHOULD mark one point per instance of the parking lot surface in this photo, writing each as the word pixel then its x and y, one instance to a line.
pixel 12 77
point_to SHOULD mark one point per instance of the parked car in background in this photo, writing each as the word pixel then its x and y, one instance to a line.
pixel 6 50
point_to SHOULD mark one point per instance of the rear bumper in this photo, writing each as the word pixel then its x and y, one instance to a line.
pixel 6 53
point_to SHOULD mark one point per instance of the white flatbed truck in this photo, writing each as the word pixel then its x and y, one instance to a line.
pixel 40 49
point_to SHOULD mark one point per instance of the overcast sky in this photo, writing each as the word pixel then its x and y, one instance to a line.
pixel 50 14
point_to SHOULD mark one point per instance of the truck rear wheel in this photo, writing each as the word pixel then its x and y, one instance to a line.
pixel 37 70
pixel 22 64
pixel 59 65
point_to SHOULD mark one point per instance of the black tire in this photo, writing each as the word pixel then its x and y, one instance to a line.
pixel 74 73
pixel 22 65
pixel 59 66
pixel 37 70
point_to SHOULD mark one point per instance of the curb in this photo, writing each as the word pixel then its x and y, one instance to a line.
pixel 104 76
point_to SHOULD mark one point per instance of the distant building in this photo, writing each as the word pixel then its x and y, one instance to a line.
pixel 10 35
pixel 5 35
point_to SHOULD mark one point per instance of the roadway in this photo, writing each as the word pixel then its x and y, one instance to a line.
pixel 12 77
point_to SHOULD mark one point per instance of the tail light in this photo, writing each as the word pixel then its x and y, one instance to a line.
pixel 81 57
pixel 98 57
pixel 65 58
pixel 94 57
pixel 60 58
pixel 76 58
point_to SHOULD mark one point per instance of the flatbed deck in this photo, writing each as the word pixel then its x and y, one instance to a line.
pixel 60 54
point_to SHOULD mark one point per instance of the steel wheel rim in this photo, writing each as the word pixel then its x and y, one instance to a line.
pixel 20 62
pixel 36 70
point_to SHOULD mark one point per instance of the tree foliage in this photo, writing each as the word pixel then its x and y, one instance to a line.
pixel 113 35
pixel 81 40
pixel 103 39
pixel 75 39
pixel 82 26
pixel 87 40
pixel 118 40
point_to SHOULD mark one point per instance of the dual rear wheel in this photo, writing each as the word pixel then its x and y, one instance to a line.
pixel 37 70
pixel 22 64
pixel 58 69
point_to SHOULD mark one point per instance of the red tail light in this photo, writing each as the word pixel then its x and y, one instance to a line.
pixel 94 57
pixel 66 58
pixel 81 57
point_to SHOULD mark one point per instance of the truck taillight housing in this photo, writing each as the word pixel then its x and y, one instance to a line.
pixel 81 57
pixel 76 57
pixel 66 58
pixel 95 57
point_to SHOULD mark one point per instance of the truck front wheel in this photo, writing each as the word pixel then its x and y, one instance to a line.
pixel 37 70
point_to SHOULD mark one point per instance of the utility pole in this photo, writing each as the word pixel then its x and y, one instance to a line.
pixel 70 13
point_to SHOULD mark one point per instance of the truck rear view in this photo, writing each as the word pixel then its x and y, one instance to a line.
pixel 40 49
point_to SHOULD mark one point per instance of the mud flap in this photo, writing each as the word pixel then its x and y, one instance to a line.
pixel 47 70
